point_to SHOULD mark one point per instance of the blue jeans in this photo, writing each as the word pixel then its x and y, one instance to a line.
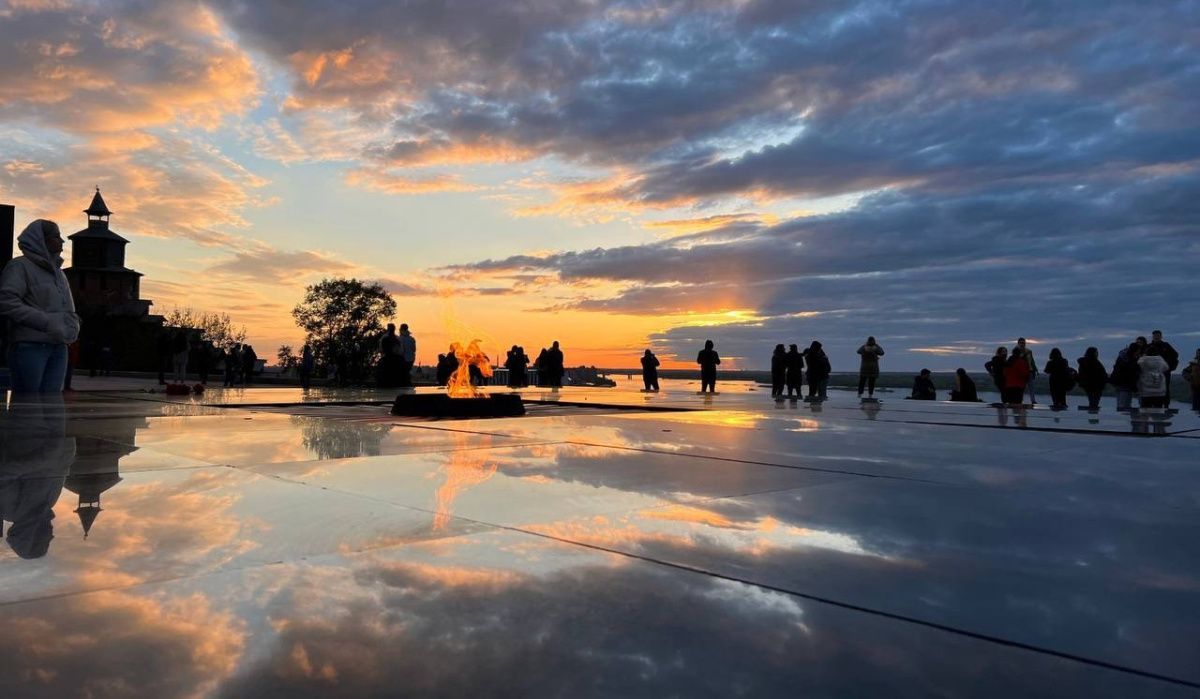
pixel 37 367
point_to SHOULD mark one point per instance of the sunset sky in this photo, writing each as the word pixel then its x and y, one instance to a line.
pixel 944 175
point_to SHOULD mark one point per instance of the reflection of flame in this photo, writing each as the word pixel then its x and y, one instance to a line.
pixel 459 385
pixel 465 468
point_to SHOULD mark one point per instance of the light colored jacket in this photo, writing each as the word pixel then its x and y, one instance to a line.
pixel 1152 379
pixel 35 298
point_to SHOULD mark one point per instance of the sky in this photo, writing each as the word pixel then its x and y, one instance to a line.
pixel 943 175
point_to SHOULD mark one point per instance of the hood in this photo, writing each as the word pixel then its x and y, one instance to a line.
pixel 32 243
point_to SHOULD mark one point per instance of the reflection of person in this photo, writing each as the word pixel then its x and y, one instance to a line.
pixel 650 371
pixel 708 359
pixel 35 455
pixel 36 301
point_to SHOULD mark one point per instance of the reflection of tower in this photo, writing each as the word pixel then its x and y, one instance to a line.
pixel 96 468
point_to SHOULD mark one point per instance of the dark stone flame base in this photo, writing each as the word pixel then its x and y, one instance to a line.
pixel 442 405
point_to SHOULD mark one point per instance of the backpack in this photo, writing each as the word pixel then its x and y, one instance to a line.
pixel 1153 380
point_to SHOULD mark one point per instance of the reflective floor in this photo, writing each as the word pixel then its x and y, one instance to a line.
pixel 272 542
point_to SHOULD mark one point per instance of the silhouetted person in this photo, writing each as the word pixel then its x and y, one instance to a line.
pixel 307 364
pixel 995 367
pixel 964 388
pixel 515 361
pixel 923 388
pixel 1092 376
pixel 1169 355
pixel 389 358
pixel 868 370
pixel 1192 375
pixel 708 359
pixel 555 366
pixel 1016 376
pixel 1152 378
pixel 522 361
pixel 35 300
pixel 447 365
pixel 1061 377
pixel 795 371
pixel 1033 370
pixel 1124 376
pixel 650 371
pixel 818 371
pixel 204 358
pixel 179 356
pixel 249 364
pixel 778 371
pixel 540 365
pixel 407 351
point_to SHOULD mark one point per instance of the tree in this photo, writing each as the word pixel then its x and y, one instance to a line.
pixel 342 320
pixel 287 359
pixel 217 328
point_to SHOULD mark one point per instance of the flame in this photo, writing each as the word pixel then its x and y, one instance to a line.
pixel 464 468
pixel 460 385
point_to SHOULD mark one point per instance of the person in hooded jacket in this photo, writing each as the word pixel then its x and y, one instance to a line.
pixel 795 371
pixel 1092 376
pixel 995 367
pixel 1062 378
pixel 36 301
pixel 778 371
pixel 650 371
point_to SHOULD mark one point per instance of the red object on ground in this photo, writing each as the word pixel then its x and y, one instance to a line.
pixel 178 389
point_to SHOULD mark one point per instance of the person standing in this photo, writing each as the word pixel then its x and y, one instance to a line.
pixel 778 371
pixel 1169 355
pixel 1092 376
pixel 1016 376
pixel 407 348
pixel 1061 379
pixel 1124 377
pixel 1033 370
pixel 249 364
pixel 1152 378
pixel 650 371
pixel 795 371
pixel 307 363
pixel 708 359
pixel 995 367
pixel 389 358
pixel 868 369
pixel 35 299
pixel 555 362
pixel 1192 375
pixel 818 371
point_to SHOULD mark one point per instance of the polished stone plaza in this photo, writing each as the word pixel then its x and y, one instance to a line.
pixel 270 542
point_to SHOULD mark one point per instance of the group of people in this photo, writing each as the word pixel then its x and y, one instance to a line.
pixel 397 355
pixel 790 367
pixel 548 365
pixel 1143 369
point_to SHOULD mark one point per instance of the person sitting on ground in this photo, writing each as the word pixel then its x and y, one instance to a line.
pixel 1092 376
pixel 868 370
pixel 1016 376
pixel 1062 378
pixel 35 299
pixel 1152 378
pixel 778 371
pixel 795 372
pixel 650 371
pixel 964 388
pixel 995 367
pixel 923 388
pixel 708 359
pixel 1192 375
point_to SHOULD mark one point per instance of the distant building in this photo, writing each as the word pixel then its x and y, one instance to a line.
pixel 108 296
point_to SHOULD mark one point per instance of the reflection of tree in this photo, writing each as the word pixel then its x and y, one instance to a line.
pixel 340 439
